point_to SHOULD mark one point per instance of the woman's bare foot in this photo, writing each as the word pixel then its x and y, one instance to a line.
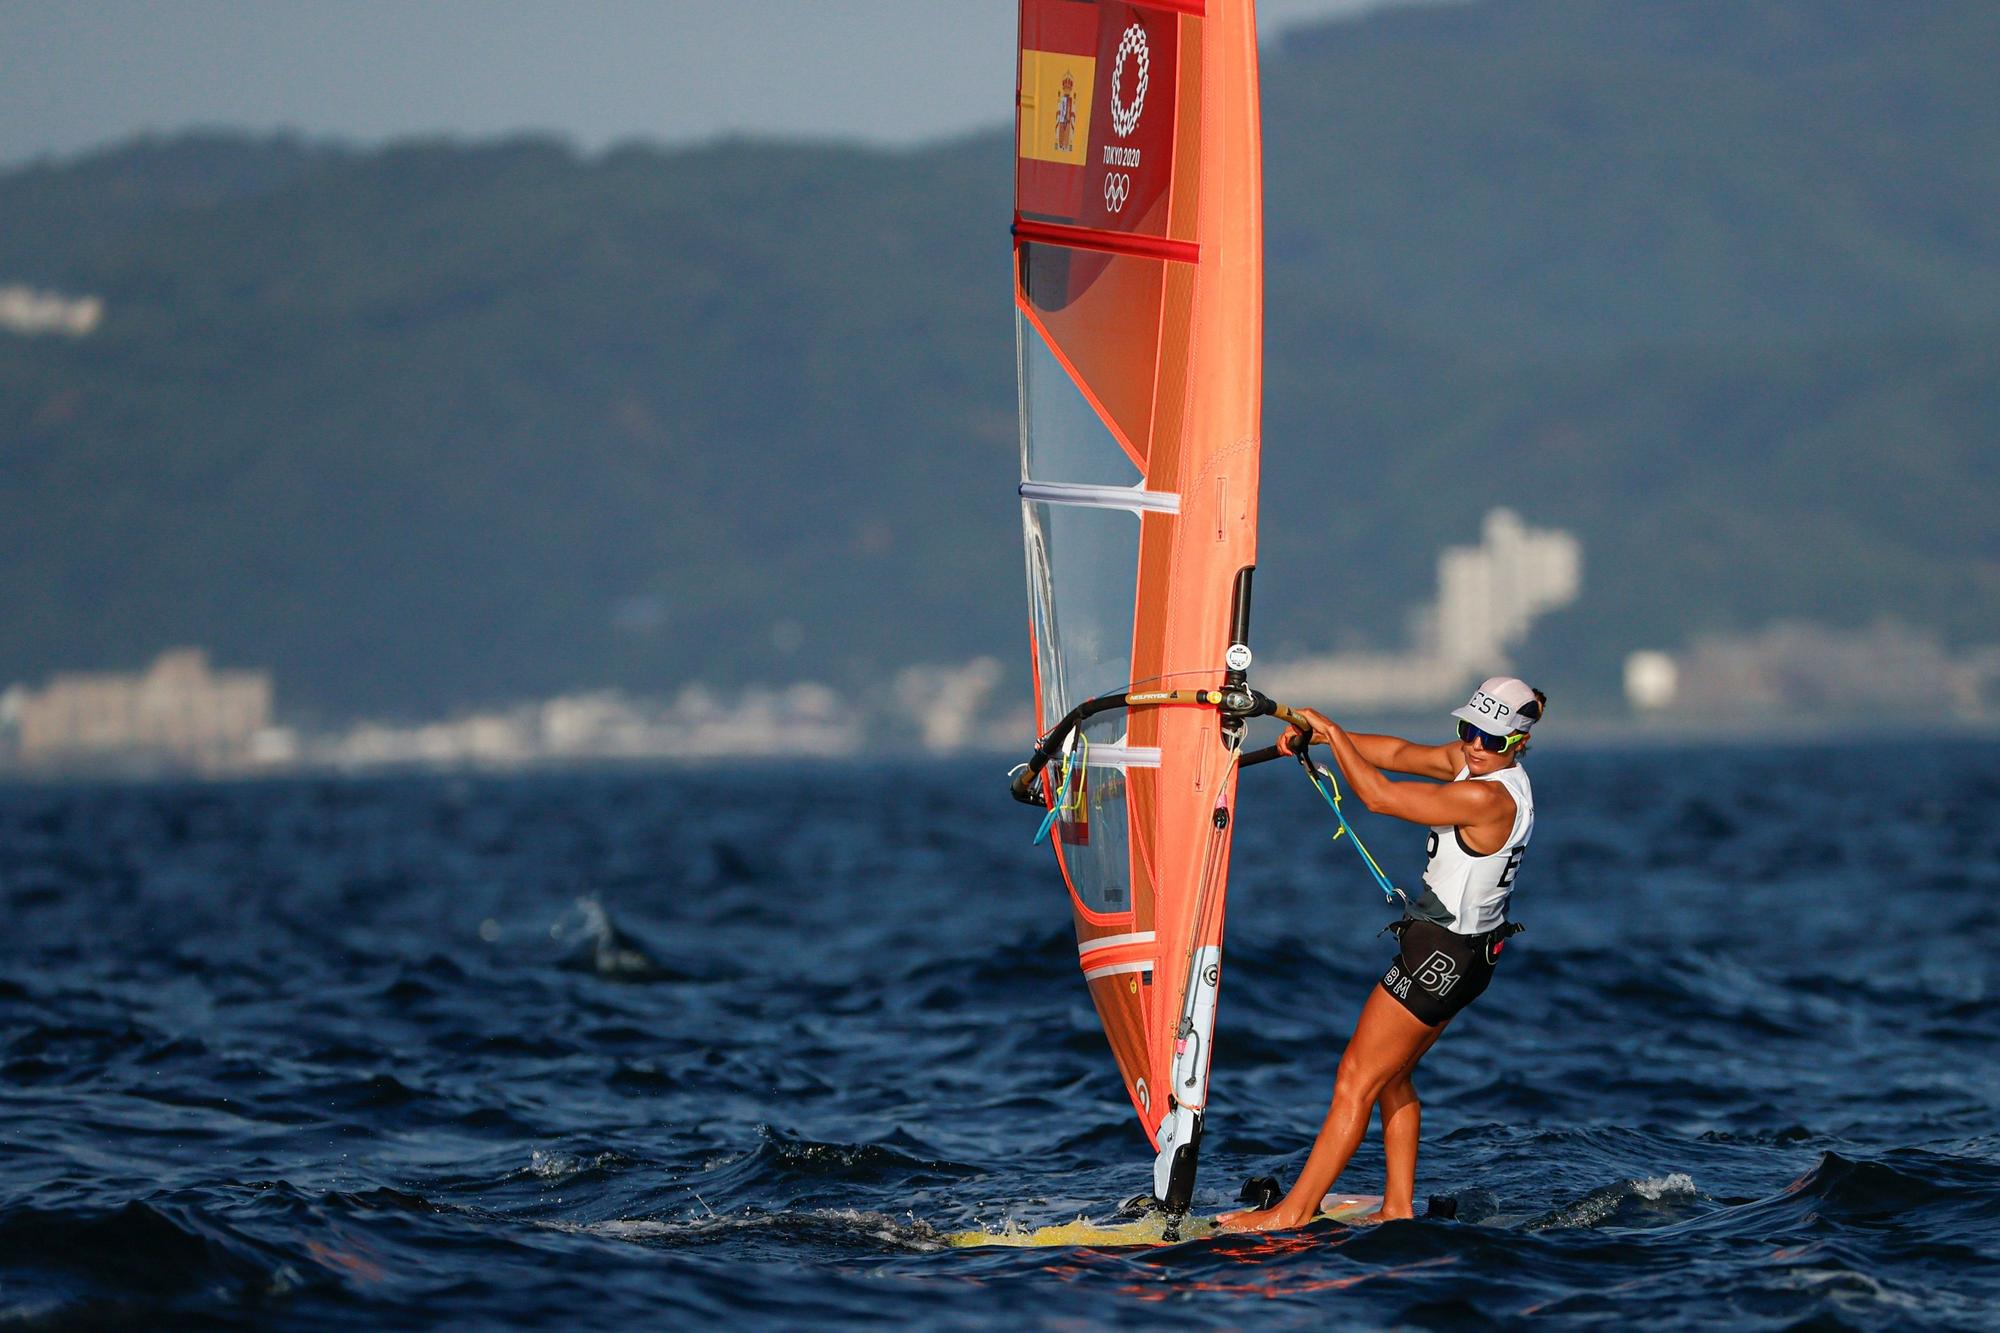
pixel 1381 1215
pixel 1260 1219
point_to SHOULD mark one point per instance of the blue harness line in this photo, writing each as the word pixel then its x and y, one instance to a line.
pixel 1069 798
pixel 1329 791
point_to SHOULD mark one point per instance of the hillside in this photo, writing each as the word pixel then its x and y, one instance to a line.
pixel 1712 285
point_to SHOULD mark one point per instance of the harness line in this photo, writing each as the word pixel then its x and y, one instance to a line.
pixel 1069 794
pixel 1329 791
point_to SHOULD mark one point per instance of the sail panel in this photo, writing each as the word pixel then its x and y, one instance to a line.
pixel 1139 291
pixel 1100 315
pixel 1097 101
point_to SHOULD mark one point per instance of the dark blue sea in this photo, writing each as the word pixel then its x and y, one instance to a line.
pixel 633 1049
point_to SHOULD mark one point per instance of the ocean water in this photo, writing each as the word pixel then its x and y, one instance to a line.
pixel 622 1050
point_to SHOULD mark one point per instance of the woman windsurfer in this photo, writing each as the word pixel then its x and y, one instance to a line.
pixel 1480 818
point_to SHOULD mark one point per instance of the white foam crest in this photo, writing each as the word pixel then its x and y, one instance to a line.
pixel 1679 1185
pixel 1601 1204
pixel 562 1165
pixel 611 953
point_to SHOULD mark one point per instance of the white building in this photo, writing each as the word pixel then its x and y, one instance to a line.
pixel 1488 597
pixel 177 712
pixel 1795 669
pixel 30 313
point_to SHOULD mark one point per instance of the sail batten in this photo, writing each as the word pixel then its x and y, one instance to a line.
pixel 1138 290
pixel 1109 242
pixel 1134 498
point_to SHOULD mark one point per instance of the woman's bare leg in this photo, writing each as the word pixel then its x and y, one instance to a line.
pixel 1388 1039
pixel 1402 1119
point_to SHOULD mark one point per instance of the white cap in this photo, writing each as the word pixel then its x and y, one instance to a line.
pixel 1501 706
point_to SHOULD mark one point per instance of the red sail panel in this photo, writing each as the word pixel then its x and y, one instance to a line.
pixel 1098 118
pixel 1139 293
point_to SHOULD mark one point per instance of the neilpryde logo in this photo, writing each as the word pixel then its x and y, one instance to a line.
pixel 1124 118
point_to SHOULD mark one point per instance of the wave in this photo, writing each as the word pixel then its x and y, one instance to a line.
pixel 133 1262
pixel 1892 1191
pixel 554 1168
pixel 606 949
pixel 785 1156
pixel 1645 1202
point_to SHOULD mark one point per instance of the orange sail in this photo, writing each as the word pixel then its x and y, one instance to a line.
pixel 1138 265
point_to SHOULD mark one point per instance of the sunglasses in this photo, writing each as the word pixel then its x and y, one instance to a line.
pixel 1486 740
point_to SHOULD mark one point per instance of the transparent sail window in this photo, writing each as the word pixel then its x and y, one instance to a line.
pixel 1062 437
pixel 1083 565
pixel 1096 847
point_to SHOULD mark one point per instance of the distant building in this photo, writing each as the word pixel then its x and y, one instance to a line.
pixel 1488 597
pixel 804 719
pixel 1652 680
pixel 178 713
pixel 31 313
pixel 948 704
pixel 1797 670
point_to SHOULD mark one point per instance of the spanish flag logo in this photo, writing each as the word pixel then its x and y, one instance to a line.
pixel 1055 106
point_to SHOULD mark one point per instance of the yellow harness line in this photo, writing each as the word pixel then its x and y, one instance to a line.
pixel 1067 798
pixel 1313 771
pixel 1069 795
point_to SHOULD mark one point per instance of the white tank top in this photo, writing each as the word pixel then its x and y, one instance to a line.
pixel 1474 888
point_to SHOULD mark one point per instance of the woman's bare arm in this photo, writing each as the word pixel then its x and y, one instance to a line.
pixel 1464 804
pixel 1390 752
pixel 1400 756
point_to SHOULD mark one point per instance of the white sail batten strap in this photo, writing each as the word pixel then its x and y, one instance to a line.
pixel 1087 947
pixel 1101 497
pixel 1115 969
pixel 1122 756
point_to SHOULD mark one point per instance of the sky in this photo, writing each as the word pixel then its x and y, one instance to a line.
pixel 77 74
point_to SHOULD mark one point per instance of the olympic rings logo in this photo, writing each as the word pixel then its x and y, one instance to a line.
pixel 1125 119
pixel 1117 189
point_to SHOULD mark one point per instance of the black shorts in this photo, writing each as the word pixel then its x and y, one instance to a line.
pixel 1439 971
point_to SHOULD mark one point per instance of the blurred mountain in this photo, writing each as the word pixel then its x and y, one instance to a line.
pixel 1712 285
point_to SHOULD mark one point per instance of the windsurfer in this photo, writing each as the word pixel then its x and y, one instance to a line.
pixel 1480 818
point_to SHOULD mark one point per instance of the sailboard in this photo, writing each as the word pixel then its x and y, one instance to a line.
pixel 1138 295
pixel 1154 1229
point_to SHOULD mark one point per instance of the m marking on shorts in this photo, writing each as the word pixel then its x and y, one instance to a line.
pixel 1438 973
